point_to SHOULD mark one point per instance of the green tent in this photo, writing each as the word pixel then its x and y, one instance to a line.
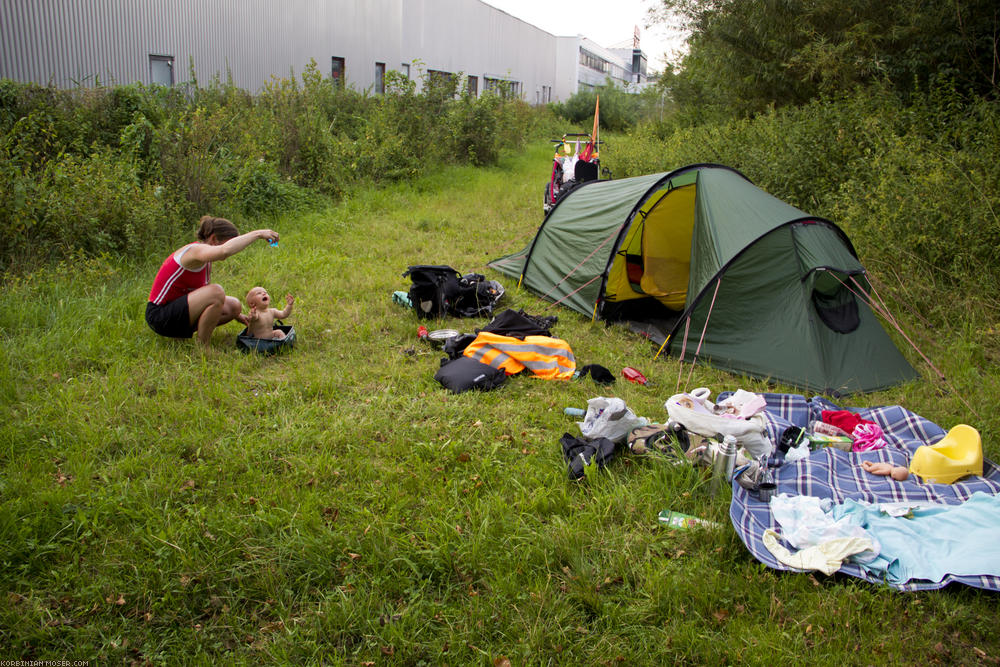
pixel 706 264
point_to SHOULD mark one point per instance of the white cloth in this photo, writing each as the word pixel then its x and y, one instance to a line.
pixel 826 557
pixel 806 522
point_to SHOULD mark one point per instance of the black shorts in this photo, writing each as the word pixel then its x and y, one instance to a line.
pixel 171 319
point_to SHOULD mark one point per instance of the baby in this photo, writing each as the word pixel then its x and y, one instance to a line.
pixel 260 322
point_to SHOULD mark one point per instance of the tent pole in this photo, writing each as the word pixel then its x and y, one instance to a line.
pixel 665 341
pixel 680 366
pixel 708 316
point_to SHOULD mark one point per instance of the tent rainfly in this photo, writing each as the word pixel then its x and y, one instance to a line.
pixel 709 266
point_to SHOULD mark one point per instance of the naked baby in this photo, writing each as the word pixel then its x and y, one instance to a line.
pixel 262 315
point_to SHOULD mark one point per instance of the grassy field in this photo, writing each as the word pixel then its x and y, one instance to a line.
pixel 335 505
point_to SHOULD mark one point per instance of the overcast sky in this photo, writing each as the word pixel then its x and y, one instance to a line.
pixel 610 24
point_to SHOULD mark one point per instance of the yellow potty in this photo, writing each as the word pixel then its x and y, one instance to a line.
pixel 958 454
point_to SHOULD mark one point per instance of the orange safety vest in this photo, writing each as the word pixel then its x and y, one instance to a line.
pixel 546 357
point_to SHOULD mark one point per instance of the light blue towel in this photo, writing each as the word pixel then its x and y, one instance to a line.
pixel 937 541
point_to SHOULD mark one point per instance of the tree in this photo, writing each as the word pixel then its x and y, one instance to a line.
pixel 747 55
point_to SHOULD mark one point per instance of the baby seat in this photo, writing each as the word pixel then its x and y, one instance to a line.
pixel 247 343
pixel 958 454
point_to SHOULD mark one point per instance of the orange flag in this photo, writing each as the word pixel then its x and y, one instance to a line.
pixel 597 114
pixel 591 148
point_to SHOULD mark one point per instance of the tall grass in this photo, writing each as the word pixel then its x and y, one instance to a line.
pixel 337 506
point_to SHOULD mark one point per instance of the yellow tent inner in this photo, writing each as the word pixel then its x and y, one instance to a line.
pixel 655 257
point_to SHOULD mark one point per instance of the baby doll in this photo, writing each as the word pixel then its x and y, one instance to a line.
pixel 262 316
pixel 898 473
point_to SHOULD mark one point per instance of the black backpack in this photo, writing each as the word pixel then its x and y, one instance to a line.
pixel 439 290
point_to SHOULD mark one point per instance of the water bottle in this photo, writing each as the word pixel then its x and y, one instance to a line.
pixel 724 462
pixel 633 375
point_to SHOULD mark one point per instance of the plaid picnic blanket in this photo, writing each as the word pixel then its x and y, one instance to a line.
pixel 835 474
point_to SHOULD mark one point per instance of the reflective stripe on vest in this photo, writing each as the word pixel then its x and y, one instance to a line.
pixel 546 357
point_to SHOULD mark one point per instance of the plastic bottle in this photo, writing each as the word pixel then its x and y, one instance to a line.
pixel 272 243
pixel 674 519
pixel 574 412
pixel 633 375
pixel 422 331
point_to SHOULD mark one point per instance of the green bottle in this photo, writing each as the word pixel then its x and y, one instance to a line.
pixel 674 519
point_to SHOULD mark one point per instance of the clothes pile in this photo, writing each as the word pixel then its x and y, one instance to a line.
pixel 873 509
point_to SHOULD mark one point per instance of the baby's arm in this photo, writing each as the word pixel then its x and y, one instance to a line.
pixel 282 314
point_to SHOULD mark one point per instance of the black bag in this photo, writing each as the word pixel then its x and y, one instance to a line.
pixel 439 290
pixel 580 453
pixel 518 324
pixel 463 373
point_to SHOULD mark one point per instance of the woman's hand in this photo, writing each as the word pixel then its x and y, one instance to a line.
pixel 268 235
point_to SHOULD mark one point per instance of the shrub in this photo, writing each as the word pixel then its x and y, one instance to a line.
pixel 91 170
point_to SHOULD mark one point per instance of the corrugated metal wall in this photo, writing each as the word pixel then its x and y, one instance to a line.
pixel 71 42
pixel 84 42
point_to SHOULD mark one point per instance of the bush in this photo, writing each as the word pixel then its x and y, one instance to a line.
pixel 619 110
pixel 93 170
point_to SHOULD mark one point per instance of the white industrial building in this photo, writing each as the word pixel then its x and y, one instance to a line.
pixel 66 43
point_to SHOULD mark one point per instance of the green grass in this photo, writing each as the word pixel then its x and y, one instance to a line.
pixel 336 505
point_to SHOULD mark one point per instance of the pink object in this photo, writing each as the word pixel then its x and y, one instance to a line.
pixel 867 436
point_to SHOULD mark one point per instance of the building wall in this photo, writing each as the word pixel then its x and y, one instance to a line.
pixel 567 66
pixel 478 40
pixel 70 42
pixel 88 42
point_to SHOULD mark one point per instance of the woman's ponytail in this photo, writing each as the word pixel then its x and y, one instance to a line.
pixel 220 227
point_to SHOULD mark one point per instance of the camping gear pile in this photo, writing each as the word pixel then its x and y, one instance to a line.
pixel 916 509
pixel 438 290
pixel 851 512
pixel 512 342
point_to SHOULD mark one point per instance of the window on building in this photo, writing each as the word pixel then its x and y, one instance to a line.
pixel 161 70
pixel 379 78
pixel 337 71
pixel 472 88
pixel 438 76
pixel 505 87
pixel 405 68
pixel 593 61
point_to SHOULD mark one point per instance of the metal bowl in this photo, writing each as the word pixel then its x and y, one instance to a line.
pixel 439 337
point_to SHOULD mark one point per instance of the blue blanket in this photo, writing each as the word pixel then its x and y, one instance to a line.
pixel 835 474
